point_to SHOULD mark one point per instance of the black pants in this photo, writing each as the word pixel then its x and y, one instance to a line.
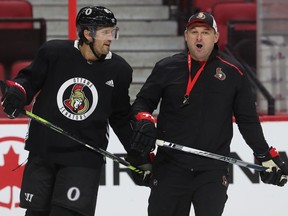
pixel 46 186
pixel 174 189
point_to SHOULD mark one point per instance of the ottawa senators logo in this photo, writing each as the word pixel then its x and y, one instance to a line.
pixel 77 101
pixel 77 98
pixel 220 74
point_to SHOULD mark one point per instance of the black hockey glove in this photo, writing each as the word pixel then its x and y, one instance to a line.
pixel 277 172
pixel 144 163
pixel 144 133
pixel 13 98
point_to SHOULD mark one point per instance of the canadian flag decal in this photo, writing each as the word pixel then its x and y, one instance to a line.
pixel 10 171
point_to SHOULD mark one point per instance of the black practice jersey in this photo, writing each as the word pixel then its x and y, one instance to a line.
pixel 81 97
pixel 221 92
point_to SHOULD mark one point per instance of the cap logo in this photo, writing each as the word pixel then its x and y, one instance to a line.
pixel 201 16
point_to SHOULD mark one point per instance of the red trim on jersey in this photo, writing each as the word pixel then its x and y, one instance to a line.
pixel 230 64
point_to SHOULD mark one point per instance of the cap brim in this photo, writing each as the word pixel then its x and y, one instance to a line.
pixel 199 22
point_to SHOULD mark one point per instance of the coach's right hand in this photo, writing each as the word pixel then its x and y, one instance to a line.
pixel 13 98
pixel 277 172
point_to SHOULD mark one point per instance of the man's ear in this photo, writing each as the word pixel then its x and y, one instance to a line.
pixel 217 35
pixel 88 35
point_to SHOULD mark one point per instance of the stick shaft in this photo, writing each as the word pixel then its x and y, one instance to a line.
pixel 48 124
pixel 210 155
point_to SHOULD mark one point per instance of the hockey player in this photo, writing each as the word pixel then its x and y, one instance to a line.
pixel 200 90
pixel 83 87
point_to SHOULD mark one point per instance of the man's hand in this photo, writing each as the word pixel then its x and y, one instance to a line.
pixel 13 98
pixel 144 163
pixel 277 172
pixel 144 133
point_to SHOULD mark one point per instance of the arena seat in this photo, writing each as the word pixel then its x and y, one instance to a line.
pixel 206 5
pixel 242 41
pixel 224 12
pixel 20 44
pixel 16 9
pixel 21 35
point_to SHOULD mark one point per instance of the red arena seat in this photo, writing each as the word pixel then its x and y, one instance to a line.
pixel 21 35
pixel 224 12
pixel 16 9
pixel 206 5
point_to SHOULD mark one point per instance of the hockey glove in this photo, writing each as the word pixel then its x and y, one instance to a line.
pixel 144 163
pixel 277 172
pixel 144 133
pixel 13 98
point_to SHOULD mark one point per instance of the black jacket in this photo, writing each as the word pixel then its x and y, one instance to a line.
pixel 221 91
pixel 63 78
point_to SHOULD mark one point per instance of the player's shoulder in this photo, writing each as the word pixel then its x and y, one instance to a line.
pixel 117 57
pixel 119 60
pixel 230 61
pixel 177 58
pixel 57 46
pixel 59 43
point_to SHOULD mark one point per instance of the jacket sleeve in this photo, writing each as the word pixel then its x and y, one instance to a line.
pixel 247 118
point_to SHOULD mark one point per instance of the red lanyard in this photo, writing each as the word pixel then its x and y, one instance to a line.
pixel 191 81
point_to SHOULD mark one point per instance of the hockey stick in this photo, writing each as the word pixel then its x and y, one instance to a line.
pixel 96 149
pixel 210 155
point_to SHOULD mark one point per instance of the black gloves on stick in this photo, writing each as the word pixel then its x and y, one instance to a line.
pixel 277 172
pixel 144 163
pixel 13 98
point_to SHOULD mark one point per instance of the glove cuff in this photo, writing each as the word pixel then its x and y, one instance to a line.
pixel 145 116
pixel 271 153
pixel 16 85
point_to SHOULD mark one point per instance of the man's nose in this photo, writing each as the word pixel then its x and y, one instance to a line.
pixel 199 37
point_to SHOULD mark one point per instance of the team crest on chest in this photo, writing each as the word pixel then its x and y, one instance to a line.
pixel 77 98
pixel 220 74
